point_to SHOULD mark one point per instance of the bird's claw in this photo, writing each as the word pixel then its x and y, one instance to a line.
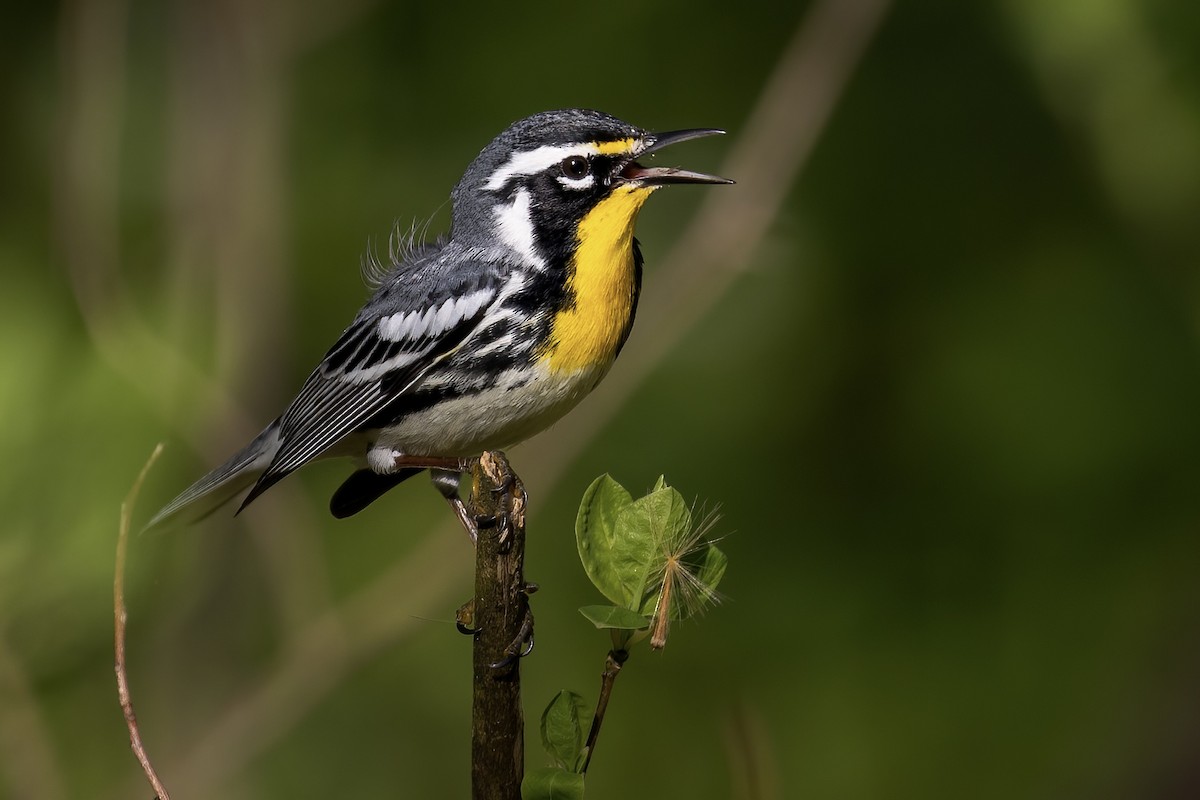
pixel 523 644
pixel 464 619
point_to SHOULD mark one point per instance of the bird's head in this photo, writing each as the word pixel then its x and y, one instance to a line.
pixel 535 182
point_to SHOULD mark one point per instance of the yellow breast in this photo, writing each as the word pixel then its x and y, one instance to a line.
pixel 602 282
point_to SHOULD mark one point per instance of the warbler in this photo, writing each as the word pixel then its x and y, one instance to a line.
pixel 480 339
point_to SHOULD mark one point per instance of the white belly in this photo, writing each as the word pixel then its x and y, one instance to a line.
pixel 501 416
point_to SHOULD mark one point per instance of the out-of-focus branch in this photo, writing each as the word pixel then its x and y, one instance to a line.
pixel 1098 72
pixel 225 188
pixel 418 587
pixel 226 129
pixel 753 769
pixel 92 44
pixel 720 242
pixel 28 763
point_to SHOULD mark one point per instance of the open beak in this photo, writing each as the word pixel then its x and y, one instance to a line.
pixel 660 176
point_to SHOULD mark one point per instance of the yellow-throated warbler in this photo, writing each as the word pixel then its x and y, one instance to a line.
pixel 484 338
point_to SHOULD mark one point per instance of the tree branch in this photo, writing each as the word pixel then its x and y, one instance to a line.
pixel 502 623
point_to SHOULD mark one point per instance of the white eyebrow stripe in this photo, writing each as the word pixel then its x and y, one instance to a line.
pixel 531 162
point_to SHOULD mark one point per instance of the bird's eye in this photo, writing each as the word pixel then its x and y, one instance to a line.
pixel 575 167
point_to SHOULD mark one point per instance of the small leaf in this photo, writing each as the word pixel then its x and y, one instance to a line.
pixel 656 520
pixel 710 565
pixel 563 728
pixel 614 556
pixel 552 783
pixel 678 524
pixel 615 617
pixel 664 511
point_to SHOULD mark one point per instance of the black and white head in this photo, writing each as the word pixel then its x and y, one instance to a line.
pixel 534 182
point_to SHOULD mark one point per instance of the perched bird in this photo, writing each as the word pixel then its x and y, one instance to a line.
pixel 484 338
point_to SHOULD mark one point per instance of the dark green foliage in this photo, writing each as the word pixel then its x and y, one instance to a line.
pixel 950 410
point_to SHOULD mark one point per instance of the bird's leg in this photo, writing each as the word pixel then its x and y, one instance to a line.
pixel 446 482
pixel 500 555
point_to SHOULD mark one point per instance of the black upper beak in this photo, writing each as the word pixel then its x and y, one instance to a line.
pixel 659 176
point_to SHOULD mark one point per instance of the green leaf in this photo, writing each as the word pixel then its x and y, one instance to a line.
pixel 613 557
pixel 564 724
pixel 615 617
pixel 710 565
pixel 629 547
pixel 661 520
pixel 662 515
pixel 552 783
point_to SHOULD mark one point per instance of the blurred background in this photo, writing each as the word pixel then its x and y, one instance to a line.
pixel 935 356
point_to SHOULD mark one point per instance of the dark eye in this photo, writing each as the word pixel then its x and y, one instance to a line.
pixel 575 167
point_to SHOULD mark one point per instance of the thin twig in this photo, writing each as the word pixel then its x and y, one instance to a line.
pixel 612 668
pixel 135 736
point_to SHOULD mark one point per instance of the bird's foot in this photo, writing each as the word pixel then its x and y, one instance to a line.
pixel 522 645
pixel 464 618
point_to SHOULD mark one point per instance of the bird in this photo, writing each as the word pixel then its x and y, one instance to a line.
pixel 482 338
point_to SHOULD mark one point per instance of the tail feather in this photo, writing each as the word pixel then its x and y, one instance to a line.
pixel 222 484
pixel 363 488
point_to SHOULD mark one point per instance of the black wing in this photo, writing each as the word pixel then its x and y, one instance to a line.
pixel 384 353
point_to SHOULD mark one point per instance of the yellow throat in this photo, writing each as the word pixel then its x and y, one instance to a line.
pixel 602 282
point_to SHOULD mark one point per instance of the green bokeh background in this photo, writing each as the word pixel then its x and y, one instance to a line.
pixel 949 407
